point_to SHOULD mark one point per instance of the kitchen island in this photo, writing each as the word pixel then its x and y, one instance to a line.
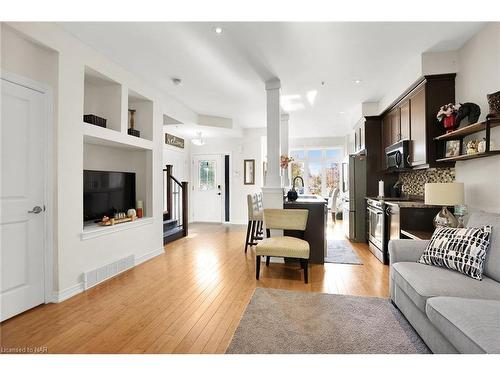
pixel 315 232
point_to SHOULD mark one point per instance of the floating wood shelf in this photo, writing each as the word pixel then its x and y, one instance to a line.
pixel 473 156
pixel 467 130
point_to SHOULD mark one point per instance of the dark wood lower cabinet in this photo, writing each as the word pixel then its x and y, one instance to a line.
pixel 315 232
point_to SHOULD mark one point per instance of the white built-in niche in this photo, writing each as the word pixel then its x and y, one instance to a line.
pixel 143 114
pixel 111 148
pixel 102 97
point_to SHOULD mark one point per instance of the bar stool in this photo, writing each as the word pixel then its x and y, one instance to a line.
pixel 260 205
pixel 255 217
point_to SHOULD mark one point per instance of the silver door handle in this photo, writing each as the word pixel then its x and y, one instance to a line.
pixel 36 210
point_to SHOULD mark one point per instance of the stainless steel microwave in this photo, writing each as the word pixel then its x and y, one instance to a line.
pixel 397 156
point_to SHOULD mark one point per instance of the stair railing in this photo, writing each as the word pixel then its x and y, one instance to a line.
pixel 175 199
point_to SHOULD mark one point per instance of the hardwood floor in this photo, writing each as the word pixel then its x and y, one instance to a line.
pixel 188 300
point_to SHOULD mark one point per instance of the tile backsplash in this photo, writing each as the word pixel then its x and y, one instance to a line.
pixel 414 181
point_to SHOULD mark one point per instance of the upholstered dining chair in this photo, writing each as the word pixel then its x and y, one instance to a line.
pixel 254 227
pixel 284 246
pixel 333 203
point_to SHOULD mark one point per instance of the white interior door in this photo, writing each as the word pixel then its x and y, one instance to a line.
pixel 22 199
pixel 208 189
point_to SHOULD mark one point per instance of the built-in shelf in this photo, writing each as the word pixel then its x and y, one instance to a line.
pixel 103 97
pixel 472 156
pixel 96 230
pixel 467 130
pixel 107 137
pixel 143 108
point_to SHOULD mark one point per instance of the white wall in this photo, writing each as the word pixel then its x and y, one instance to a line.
pixel 479 75
pixel 179 158
pixel 239 149
pixel 74 255
pixel 297 143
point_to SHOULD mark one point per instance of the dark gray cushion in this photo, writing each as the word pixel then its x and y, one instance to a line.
pixel 420 282
pixel 471 325
pixel 492 262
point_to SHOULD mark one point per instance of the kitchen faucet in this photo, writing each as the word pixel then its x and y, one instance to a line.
pixel 301 179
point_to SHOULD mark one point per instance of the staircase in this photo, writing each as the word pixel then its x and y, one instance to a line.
pixel 175 207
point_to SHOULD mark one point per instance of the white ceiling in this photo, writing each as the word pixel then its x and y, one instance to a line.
pixel 224 74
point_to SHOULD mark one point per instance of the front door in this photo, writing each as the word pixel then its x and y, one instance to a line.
pixel 208 188
pixel 22 199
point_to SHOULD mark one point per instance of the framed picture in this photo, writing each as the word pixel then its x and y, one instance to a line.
pixel 249 171
pixel 452 148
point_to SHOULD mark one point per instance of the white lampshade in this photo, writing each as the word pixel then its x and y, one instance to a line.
pixel 444 194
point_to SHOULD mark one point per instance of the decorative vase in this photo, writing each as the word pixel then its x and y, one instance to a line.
pixel 481 146
pixel 494 104
pixel 132 130
pixel 292 195
pixel 445 218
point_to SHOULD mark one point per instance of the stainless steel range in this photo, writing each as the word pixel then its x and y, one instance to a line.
pixel 377 230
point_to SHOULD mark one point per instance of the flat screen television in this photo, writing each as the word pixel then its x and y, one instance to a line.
pixel 105 193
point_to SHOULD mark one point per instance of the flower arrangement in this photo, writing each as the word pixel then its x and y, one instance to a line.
pixel 285 160
pixel 446 117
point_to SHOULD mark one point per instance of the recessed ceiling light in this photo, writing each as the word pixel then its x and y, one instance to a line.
pixel 218 30
pixel 199 141
pixel 357 82
pixel 311 96
pixel 290 103
pixel 342 112
pixel 177 81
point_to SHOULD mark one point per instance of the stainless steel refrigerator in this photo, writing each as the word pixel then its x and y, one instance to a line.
pixel 354 204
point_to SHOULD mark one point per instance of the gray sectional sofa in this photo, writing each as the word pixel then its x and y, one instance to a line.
pixel 453 313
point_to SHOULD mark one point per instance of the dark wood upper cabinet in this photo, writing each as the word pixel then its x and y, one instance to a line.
pixel 395 117
pixel 404 110
pixel 417 126
pixel 413 116
pixel 386 136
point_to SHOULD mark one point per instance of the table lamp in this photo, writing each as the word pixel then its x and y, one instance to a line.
pixel 444 194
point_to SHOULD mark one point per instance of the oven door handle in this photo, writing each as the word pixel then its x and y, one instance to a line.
pixel 376 212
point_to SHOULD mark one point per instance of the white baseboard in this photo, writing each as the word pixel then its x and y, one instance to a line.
pixel 238 222
pixel 60 296
pixel 148 256
pixel 64 294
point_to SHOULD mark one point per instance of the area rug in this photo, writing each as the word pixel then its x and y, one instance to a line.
pixel 285 322
pixel 340 251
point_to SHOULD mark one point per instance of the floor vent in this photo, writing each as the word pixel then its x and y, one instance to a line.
pixel 94 277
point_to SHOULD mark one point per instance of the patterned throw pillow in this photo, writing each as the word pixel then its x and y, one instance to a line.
pixel 459 249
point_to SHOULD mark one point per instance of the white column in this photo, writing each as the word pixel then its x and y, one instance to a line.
pixel 284 147
pixel 272 191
